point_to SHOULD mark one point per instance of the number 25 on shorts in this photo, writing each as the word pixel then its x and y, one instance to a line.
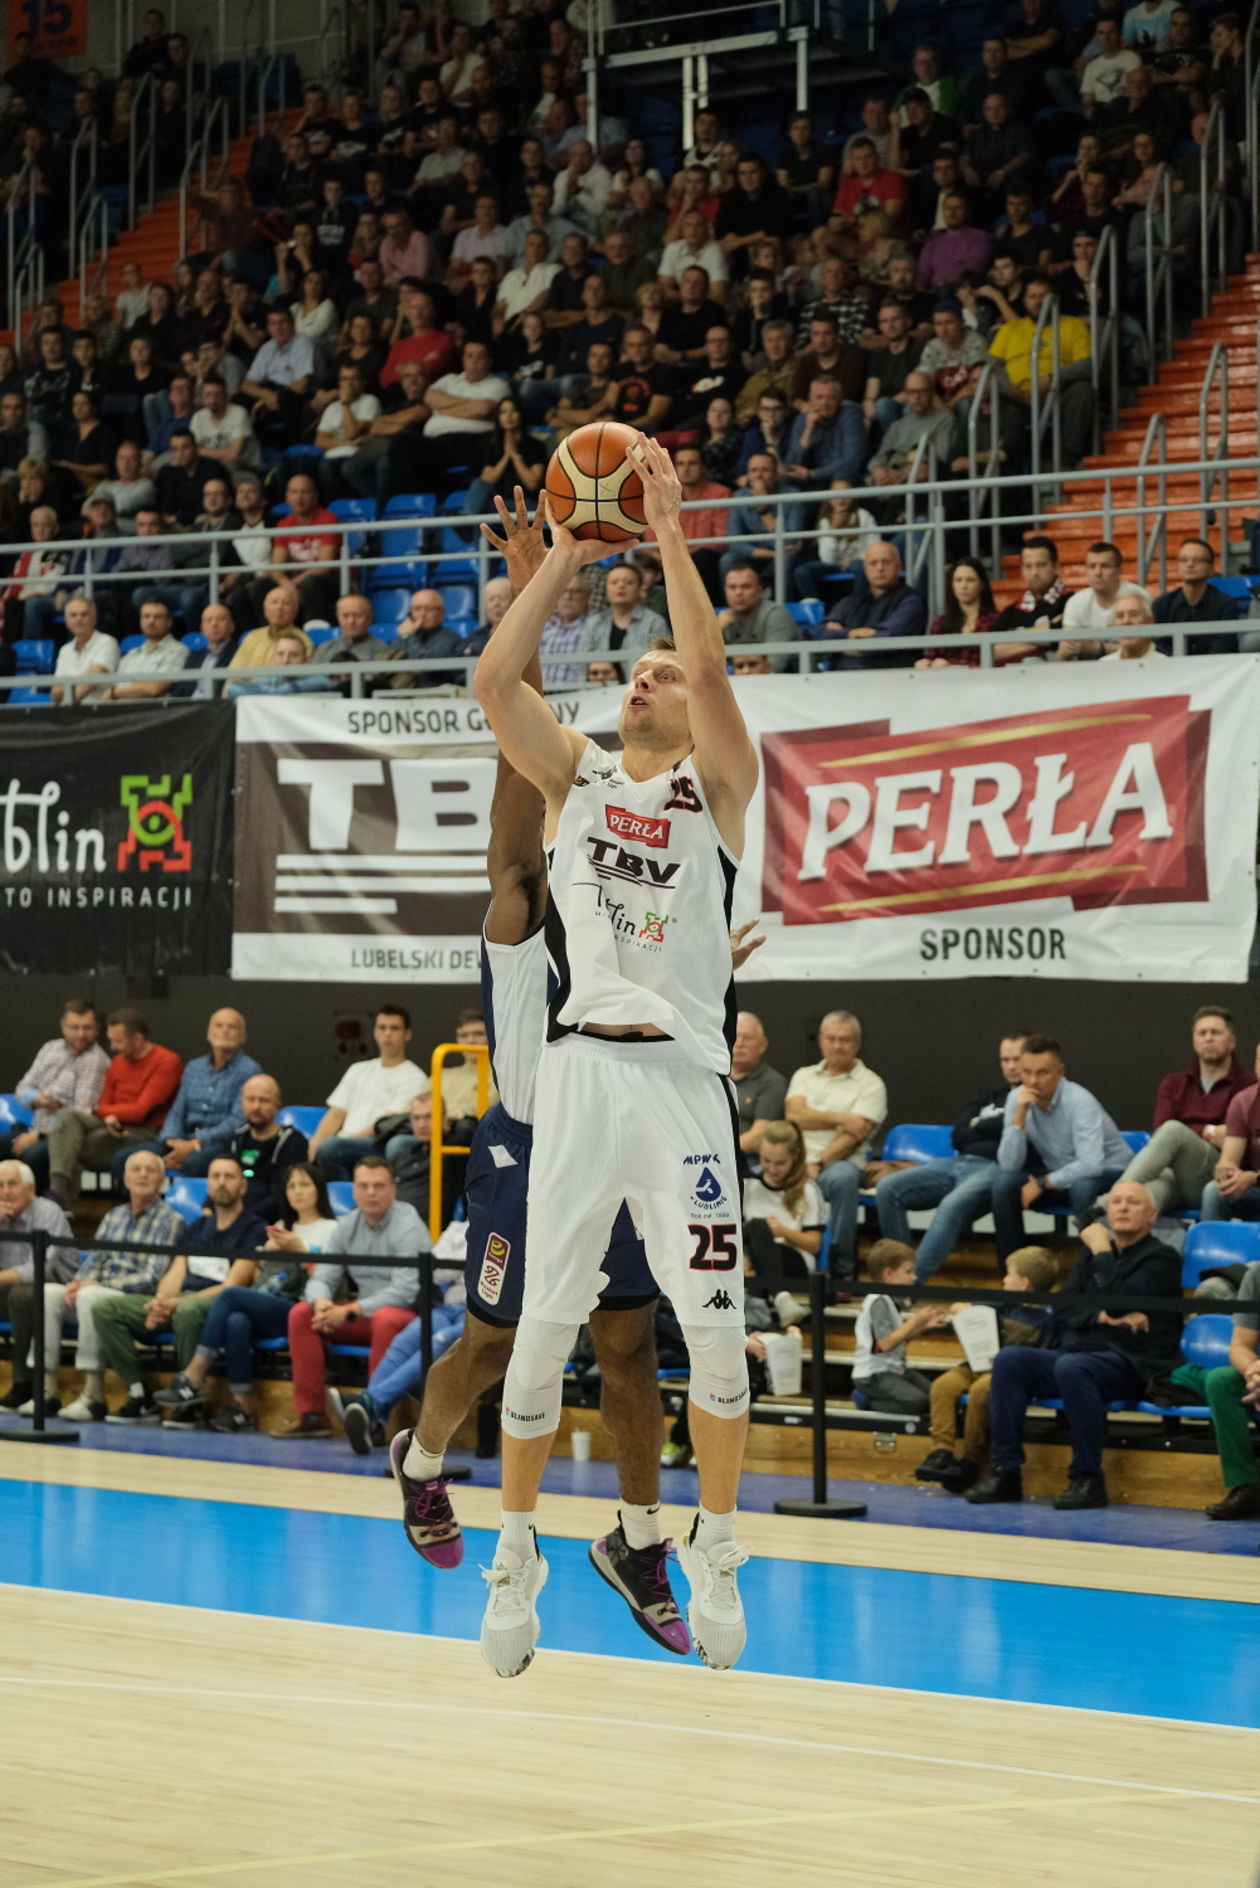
pixel 715 1248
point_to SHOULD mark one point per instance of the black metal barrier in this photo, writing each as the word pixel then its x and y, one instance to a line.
pixel 818 1286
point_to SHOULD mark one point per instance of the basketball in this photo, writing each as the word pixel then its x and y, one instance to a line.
pixel 593 488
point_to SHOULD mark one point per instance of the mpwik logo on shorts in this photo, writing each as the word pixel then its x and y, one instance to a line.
pixel 494 1269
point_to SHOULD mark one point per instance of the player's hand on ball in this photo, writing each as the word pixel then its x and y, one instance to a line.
pixel 521 545
pixel 662 492
pixel 581 550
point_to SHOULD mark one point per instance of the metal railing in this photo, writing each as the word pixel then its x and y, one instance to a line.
pixel 1251 109
pixel 1104 292
pixel 25 252
pixel 1157 264
pixel 985 400
pixel 1157 539
pixel 199 161
pixel 1044 408
pixel 142 152
pixel 1213 206
pixel 256 17
pixel 1215 376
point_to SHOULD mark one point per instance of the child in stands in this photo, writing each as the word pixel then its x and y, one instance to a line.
pixel 1028 1269
pixel 885 1326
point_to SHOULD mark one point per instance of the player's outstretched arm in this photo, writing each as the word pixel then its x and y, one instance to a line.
pixel 515 859
pixel 524 726
pixel 725 757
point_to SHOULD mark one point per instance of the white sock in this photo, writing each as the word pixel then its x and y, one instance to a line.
pixel 641 1526
pixel 518 1534
pixel 50 1383
pixel 711 1530
pixel 419 1465
pixel 136 1390
pixel 94 1386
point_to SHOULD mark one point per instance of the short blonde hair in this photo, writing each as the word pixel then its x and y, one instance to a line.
pixel 1035 1263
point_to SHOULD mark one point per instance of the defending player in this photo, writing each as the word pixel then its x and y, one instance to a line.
pixel 633 1100
pixel 632 1556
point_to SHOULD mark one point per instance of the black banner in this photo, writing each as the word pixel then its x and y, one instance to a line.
pixel 116 839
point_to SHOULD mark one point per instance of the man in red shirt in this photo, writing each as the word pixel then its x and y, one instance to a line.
pixel 709 523
pixel 420 338
pixel 867 187
pixel 1192 1109
pixel 140 1085
pixel 304 552
pixel 1235 1191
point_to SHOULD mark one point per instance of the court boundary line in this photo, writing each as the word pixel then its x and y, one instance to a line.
pixel 688 1673
pixel 552 1839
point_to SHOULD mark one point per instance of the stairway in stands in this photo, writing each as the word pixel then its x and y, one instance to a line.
pixel 1176 394
pixel 153 243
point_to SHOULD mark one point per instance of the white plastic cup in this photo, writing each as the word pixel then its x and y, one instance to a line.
pixel 783 1361
pixel 580 1444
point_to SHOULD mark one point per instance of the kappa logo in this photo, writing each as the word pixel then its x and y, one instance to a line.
pixel 649 831
pixel 494 1269
pixel 720 1301
pixel 708 1188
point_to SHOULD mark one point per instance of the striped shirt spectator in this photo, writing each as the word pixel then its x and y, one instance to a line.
pixel 72 1077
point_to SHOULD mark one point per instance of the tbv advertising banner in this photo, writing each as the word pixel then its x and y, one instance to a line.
pixel 1094 821
pixel 116 840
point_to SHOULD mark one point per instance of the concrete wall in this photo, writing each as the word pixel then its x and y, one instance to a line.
pixel 934 1044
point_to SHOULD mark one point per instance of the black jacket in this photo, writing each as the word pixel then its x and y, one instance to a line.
pixel 978 1128
pixel 1149 1268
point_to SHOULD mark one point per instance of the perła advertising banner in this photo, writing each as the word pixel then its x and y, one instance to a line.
pixel 1094 820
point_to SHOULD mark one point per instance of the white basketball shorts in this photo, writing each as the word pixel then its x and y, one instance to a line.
pixel 639 1122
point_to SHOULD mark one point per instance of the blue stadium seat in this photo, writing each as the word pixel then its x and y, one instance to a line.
pixel 341 1193
pixel 321 632
pixel 27 698
pixel 1219 1242
pixel 807 613
pixel 194 641
pixel 34 656
pixel 403 570
pixel 1241 588
pixel 403 518
pixel 390 606
pixel 917 1141
pixel 359 510
pixel 306 1120
pixel 13 1113
pixel 460 600
pixel 1136 1137
pixel 456 566
pixel 187 1196
pixel 1205 1340
pixel 129 643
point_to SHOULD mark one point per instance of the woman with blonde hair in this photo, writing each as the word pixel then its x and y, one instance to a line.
pixel 784 1211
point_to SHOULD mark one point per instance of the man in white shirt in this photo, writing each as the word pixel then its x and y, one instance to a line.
pixel 462 410
pixel 693 247
pixel 221 428
pixel 1092 609
pixel 583 187
pixel 344 425
pixel 1102 81
pixel 161 649
pixel 1146 25
pixel 525 287
pixel 366 1092
pixel 89 652
pixel 1131 615
pixel 838 1103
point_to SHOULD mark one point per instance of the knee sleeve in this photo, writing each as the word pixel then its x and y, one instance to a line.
pixel 534 1381
pixel 719 1369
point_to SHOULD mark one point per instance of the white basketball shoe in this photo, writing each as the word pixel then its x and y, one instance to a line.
pixel 510 1628
pixel 715 1612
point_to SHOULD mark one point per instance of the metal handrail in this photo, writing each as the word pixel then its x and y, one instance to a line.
pixel 1213 204
pixel 82 203
pixel 198 159
pixel 1047 317
pixel 137 151
pixel 1217 370
pixel 986 389
pixel 1251 123
pixel 20 252
pixel 1105 330
pixel 332 27
pixel 1159 281
pixel 1156 433
pixel 273 64
pixel 919 542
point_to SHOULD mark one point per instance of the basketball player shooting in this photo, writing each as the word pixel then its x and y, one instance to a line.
pixel 632 1098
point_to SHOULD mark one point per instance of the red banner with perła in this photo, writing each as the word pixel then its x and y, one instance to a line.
pixel 57 28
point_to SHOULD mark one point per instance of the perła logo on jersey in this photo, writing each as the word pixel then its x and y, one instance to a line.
pixel 647 828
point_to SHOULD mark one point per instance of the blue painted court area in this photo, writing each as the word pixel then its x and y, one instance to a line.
pixel 913 1504
pixel 927 1632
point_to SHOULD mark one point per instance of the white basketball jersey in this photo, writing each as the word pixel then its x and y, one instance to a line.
pixel 639 910
pixel 514 997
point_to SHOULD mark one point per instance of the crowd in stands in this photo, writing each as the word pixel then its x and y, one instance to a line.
pixel 272 1258
pixel 415 293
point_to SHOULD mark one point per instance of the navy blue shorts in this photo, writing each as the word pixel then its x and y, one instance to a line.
pixel 497 1185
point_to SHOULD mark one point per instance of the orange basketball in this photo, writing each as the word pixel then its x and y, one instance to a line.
pixel 593 488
